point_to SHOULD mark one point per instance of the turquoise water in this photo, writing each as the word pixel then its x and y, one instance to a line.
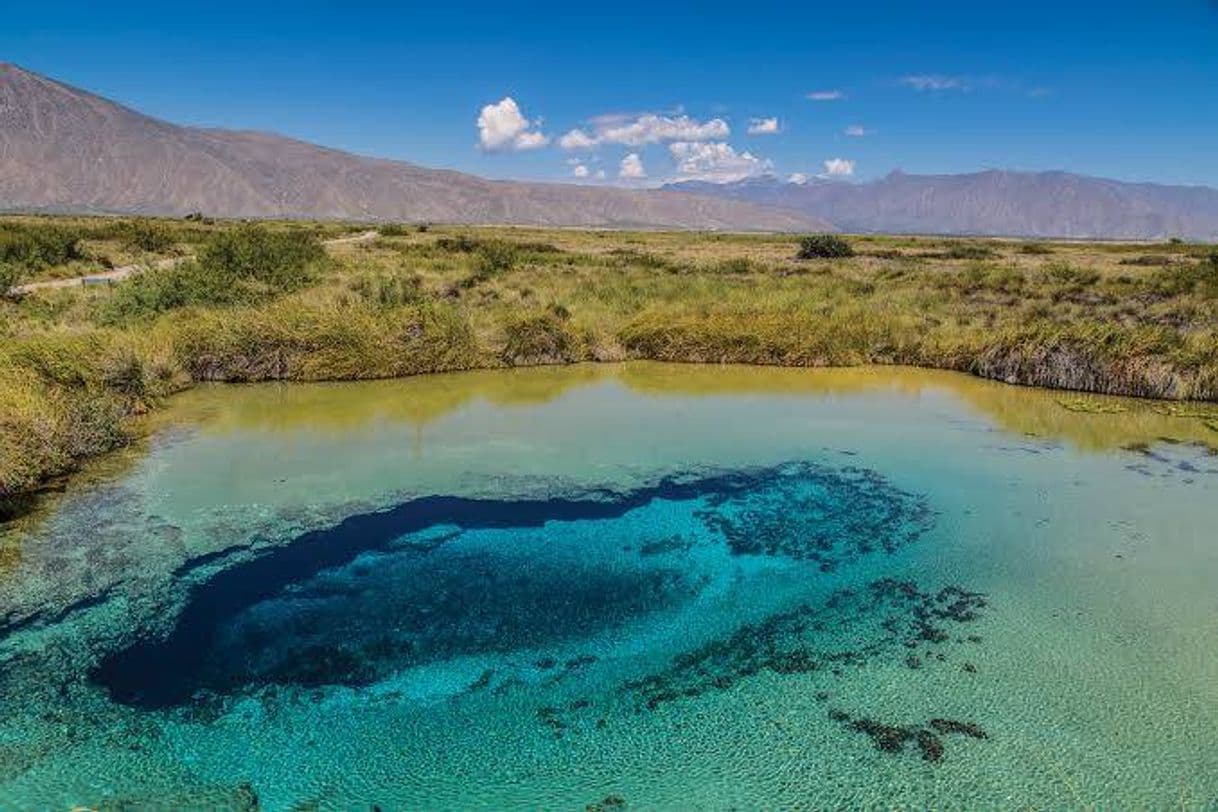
pixel 630 587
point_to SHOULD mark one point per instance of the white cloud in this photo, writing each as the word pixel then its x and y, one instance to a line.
pixel 632 168
pixel 648 128
pixel 838 168
pixel 798 178
pixel 577 139
pixel 857 131
pixel 502 127
pixel 924 82
pixel 600 174
pixel 763 126
pixel 716 162
pixel 530 140
pixel 826 95
pixel 580 171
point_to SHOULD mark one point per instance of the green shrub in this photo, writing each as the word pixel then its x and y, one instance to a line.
pixel 735 265
pixel 461 244
pixel 282 260
pixel 147 235
pixel 10 277
pixel 33 247
pixel 390 290
pixel 968 251
pixel 157 291
pixel 495 257
pixel 1200 278
pixel 1063 273
pixel 542 338
pixel 246 266
pixel 631 258
pixel 824 246
pixel 1035 249
pixel 1148 260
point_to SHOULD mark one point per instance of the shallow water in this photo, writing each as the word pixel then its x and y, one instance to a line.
pixel 640 586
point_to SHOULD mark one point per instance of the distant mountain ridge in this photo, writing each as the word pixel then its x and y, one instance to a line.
pixel 997 203
pixel 67 150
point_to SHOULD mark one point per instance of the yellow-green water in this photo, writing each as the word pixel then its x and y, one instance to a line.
pixel 675 587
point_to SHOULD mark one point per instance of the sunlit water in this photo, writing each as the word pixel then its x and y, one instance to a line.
pixel 635 587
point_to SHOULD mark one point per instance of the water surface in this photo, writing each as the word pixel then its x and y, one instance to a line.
pixel 644 585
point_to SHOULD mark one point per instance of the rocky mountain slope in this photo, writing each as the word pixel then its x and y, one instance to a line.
pixel 67 150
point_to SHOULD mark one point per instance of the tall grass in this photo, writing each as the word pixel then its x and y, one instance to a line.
pixel 265 303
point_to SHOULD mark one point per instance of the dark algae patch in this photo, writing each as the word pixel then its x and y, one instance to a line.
pixel 894 738
pixel 852 628
pixel 846 513
pixel 385 591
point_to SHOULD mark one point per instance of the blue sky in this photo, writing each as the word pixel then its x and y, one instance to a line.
pixel 1120 89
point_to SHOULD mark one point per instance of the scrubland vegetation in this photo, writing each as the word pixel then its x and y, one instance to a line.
pixel 268 302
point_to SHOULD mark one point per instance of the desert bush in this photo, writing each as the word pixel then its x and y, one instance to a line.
pixel 644 260
pixel 389 290
pixel 157 291
pixel 245 266
pixel 964 250
pixel 735 265
pixel 1200 278
pixel 496 256
pixel 1147 260
pixel 540 338
pixel 1067 275
pixel 824 246
pixel 283 260
pixel 33 247
pixel 147 235
pixel 461 244
pixel 10 277
pixel 1035 249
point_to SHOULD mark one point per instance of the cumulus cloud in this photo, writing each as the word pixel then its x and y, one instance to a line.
pixel 632 168
pixel 798 178
pixel 839 168
pixel 502 127
pixel 580 171
pixel 577 139
pixel 826 95
pixel 763 126
pixel 857 131
pixel 600 174
pixel 648 128
pixel 715 161
pixel 924 82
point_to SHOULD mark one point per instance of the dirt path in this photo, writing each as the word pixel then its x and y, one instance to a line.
pixel 119 274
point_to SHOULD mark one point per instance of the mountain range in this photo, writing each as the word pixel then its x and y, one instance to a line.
pixel 67 150
pixel 998 203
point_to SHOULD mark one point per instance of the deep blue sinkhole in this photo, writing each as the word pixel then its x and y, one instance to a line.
pixel 383 591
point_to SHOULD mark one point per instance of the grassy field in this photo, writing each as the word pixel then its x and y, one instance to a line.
pixel 269 302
